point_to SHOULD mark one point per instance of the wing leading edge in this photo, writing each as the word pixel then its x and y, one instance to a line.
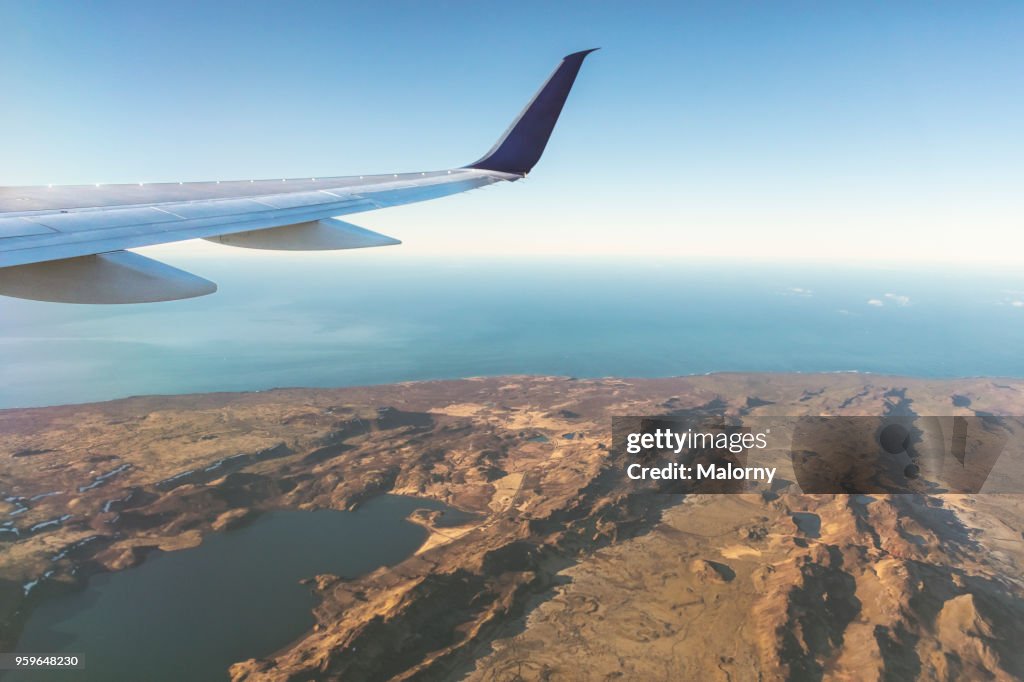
pixel 67 243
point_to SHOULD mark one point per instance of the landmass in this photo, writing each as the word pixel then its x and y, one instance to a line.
pixel 568 570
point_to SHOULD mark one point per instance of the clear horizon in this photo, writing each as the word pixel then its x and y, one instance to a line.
pixel 295 322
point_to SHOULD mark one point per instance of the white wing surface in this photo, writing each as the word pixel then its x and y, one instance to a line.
pixel 68 243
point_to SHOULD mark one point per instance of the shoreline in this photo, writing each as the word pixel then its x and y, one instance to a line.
pixel 513 377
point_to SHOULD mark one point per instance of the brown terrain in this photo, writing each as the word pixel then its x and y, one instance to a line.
pixel 568 571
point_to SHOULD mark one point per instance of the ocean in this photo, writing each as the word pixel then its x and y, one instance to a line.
pixel 343 319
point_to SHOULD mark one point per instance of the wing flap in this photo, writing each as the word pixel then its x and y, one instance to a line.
pixel 115 277
pixel 84 221
pixel 19 227
pixel 317 235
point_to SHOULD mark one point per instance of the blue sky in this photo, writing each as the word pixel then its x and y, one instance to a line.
pixel 768 131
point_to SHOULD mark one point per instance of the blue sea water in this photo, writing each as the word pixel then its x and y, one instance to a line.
pixel 343 320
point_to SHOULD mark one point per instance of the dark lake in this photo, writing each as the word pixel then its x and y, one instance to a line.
pixel 188 615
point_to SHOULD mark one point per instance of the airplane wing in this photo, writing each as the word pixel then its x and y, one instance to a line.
pixel 68 243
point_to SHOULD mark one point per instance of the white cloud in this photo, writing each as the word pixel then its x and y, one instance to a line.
pixel 1017 304
pixel 898 299
pixel 875 302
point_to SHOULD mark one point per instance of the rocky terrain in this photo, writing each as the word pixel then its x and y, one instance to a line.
pixel 568 571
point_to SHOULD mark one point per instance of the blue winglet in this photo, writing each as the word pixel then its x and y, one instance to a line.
pixel 522 144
